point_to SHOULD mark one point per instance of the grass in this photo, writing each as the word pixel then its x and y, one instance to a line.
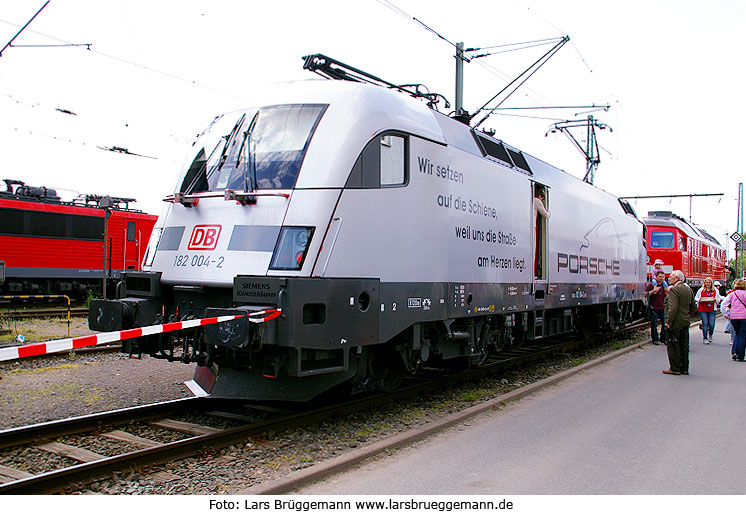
pixel 39 370
pixel 476 395
pixel 42 330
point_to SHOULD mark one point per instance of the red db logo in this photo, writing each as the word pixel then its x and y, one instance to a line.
pixel 204 237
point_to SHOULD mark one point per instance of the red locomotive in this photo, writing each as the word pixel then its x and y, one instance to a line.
pixel 54 247
pixel 683 246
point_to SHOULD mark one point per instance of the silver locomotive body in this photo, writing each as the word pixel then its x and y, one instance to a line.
pixel 388 234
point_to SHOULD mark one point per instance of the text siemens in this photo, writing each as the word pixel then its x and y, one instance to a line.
pixel 577 264
pixel 256 290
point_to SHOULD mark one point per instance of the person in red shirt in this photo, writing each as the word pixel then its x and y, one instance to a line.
pixel 656 297
pixel 707 299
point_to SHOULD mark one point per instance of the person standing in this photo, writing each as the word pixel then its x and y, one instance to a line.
pixel 656 294
pixel 541 215
pixel 731 277
pixel 706 299
pixel 679 309
pixel 725 311
pixel 736 301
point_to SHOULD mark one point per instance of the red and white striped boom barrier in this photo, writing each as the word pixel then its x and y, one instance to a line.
pixel 67 344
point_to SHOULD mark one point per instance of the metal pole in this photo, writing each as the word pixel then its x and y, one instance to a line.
pixel 690 208
pixel 739 260
pixel 22 28
pixel 105 203
pixel 459 76
pixel 107 213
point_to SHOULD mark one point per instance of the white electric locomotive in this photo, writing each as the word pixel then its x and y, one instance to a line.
pixel 388 234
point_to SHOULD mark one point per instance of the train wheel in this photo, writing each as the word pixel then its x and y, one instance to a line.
pixel 387 369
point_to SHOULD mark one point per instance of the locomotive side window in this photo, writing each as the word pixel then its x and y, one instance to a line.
pixel 195 179
pixel 130 231
pixel 85 227
pixel 382 163
pixel 392 160
pixel 48 224
pixel 659 239
pixel 51 224
pixel 12 221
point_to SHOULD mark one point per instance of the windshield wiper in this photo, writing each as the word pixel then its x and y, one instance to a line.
pixel 251 165
pixel 229 139
pixel 225 140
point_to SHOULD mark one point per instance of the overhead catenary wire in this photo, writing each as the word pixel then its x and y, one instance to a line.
pixel 538 42
pixel 131 63
pixel 486 66
pixel 57 111
pixel 556 119
pixel 499 112
pixel 512 47
pixel 533 69
pixel 560 31
pixel 592 107
pixel 528 92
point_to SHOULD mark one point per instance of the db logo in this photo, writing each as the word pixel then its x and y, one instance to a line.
pixel 204 237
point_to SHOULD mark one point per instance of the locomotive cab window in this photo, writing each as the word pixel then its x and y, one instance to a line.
pixel 659 239
pixel 253 150
pixel 382 163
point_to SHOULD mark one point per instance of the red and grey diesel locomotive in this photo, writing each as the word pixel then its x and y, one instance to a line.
pixel 388 234
pixel 686 247
pixel 54 247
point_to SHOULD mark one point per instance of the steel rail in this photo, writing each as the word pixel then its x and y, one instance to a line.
pixel 29 434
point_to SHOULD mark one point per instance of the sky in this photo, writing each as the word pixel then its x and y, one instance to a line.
pixel 157 72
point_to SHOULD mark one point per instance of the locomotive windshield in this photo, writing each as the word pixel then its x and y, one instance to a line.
pixel 661 239
pixel 253 150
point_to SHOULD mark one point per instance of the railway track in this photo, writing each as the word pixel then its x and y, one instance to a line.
pixel 228 424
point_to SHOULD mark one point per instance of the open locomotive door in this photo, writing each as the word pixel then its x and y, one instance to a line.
pixel 539 246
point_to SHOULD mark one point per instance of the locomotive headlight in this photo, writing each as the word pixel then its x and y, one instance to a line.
pixel 290 250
